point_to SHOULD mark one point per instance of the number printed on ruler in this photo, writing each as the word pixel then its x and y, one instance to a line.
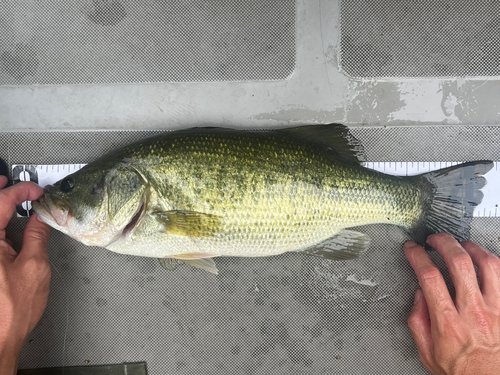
pixel 42 175
pixel 48 174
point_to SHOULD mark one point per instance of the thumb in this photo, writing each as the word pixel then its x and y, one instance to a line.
pixel 3 181
pixel 420 327
pixel 35 239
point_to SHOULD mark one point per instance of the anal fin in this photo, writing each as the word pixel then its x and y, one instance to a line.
pixel 345 245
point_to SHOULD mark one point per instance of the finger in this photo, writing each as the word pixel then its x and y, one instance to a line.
pixel 6 250
pixel 488 266
pixel 14 195
pixel 461 269
pixel 441 307
pixel 35 240
pixel 420 328
pixel 6 246
pixel 3 181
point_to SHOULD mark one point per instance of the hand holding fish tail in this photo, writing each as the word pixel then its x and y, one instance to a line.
pixel 24 276
pixel 460 336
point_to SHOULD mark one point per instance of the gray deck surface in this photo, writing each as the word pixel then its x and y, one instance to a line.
pixel 78 79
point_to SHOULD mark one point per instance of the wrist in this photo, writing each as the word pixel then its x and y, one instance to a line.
pixel 12 337
pixel 11 343
pixel 9 356
pixel 12 333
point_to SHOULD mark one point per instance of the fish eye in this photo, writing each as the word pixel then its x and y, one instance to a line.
pixel 67 184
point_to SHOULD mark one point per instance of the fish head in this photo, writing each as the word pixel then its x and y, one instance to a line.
pixel 93 205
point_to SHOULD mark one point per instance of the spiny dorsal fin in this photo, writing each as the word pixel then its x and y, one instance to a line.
pixel 335 137
pixel 345 245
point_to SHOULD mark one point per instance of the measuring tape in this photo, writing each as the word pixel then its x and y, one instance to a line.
pixel 491 199
pixel 45 175
pixel 41 175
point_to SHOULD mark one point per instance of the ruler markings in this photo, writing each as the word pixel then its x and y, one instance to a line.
pixel 49 174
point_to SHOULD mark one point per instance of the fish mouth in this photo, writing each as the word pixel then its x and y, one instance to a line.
pixel 135 219
pixel 52 214
pixel 42 209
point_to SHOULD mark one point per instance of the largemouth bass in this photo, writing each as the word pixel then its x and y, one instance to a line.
pixel 201 193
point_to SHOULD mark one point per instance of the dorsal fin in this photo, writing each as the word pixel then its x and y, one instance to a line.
pixel 335 137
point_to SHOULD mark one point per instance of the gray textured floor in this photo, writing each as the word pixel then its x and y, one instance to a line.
pixel 104 41
pixel 263 72
pixel 287 63
pixel 286 314
pixel 420 39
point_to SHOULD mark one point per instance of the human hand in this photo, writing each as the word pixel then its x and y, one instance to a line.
pixel 460 336
pixel 24 277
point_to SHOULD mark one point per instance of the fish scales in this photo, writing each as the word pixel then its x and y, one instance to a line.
pixel 208 192
pixel 273 193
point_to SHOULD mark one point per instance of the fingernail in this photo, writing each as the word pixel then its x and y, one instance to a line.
pixel 409 244
pixel 429 237
pixel 418 295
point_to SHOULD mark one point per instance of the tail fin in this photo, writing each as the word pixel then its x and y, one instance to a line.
pixel 450 195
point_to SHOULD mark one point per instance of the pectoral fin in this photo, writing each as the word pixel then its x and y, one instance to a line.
pixel 345 245
pixel 189 223
pixel 192 256
pixel 206 264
